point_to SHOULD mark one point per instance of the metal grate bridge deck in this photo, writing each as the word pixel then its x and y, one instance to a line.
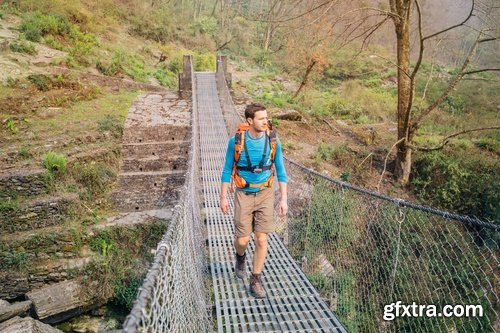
pixel 293 304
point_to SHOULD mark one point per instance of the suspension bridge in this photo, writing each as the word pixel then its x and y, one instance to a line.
pixel 334 265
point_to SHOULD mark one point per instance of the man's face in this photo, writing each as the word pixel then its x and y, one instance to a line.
pixel 259 121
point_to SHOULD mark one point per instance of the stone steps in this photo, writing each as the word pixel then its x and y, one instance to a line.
pixel 156 143
pixel 139 134
pixel 36 213
pixel 171 150
pixel 154 163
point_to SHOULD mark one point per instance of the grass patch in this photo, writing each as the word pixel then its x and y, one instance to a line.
pixel 22 46
pixel 8 205
pixel 95 177
pixel 18 260
pixel 55 163
pixel 112 124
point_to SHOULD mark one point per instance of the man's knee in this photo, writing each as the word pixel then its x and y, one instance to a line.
pixel 260 239
pixel 242 241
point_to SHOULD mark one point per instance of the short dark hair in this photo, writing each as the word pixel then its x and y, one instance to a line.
pixel 252 108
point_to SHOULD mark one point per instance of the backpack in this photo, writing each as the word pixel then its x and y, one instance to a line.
pixel 240 147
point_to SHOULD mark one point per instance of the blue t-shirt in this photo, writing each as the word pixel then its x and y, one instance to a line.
pixel 255 148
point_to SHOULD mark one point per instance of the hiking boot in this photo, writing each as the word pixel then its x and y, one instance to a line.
pixel 256 288
pixel 240 269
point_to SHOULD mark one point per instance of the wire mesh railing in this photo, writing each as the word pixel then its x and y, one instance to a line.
pixel 174 296
pixel 374 258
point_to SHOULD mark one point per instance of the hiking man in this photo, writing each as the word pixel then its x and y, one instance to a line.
pixel 251 157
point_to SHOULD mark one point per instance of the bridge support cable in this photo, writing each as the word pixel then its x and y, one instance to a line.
pixel 364 252
pixel 293 304
pixel 174 295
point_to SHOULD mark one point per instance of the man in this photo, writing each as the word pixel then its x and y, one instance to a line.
pixel 254 196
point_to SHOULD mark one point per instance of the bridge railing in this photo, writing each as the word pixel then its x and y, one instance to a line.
pixel 365 252
pixel 174 296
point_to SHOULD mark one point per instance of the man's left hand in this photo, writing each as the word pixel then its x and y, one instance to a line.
pixel 283 208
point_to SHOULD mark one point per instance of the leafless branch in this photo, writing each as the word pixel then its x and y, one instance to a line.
pixel 450 87
pixel 385 162
pixel 454 26
pixel 482 70
pixel 447 138
pixel 290 18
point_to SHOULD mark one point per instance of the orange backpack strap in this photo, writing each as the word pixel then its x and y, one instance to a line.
pixel 273 141
pixel 239 143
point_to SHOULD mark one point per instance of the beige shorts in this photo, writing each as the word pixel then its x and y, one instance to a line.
pixel 253 212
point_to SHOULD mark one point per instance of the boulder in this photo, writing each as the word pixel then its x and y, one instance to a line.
pixel 63 300
pixel 8 310
pixel 26 325
pixel 292 115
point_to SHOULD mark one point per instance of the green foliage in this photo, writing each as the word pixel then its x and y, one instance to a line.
pixel 206 25
pixel 166 78
pixel 324 152
pixel 11 82
pixel 204 62
pixel 466 184
pixel 489 144
pixel 18 260
pixel 11 126
pixel 22 46
pixel 53 43
pixel 54 162
pixel 96 177
pixel 8 205
pixel 126 291
pixel 175 65
pixel 122 62
pixel 112 124
pixel 41 81
pixel 275 121
pixel 345 176
pixel 35 25
pixel 263 59
pixel 454 104
pixel 156 24
pixel 329 152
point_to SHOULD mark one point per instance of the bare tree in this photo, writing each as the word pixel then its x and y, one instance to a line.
pixel 409 120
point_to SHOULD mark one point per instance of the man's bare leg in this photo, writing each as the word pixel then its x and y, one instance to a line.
pixel 240 244
pixel 260 252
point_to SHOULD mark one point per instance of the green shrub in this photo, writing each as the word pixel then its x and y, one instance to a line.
pixel 206 25
pixel 110 69
pixel 53 43
pixel 325 152
pixel 126 291
pixel 468 184
pixel 54 162
pixel 204 62
pixel 175 65
pixel 166 78
pixel 23 47
pixel 111 124
pixel 489 144
pixel 96 177
pixel 8 205
pixel 36 25
pixel 16 259
pixel 262 58
pixel 345 176
pixel 11 126
pixel 41 81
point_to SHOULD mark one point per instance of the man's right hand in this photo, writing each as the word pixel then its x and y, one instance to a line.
pixel 224 205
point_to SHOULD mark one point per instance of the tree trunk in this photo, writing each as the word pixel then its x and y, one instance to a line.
pixel 306 76
pixel 403 158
